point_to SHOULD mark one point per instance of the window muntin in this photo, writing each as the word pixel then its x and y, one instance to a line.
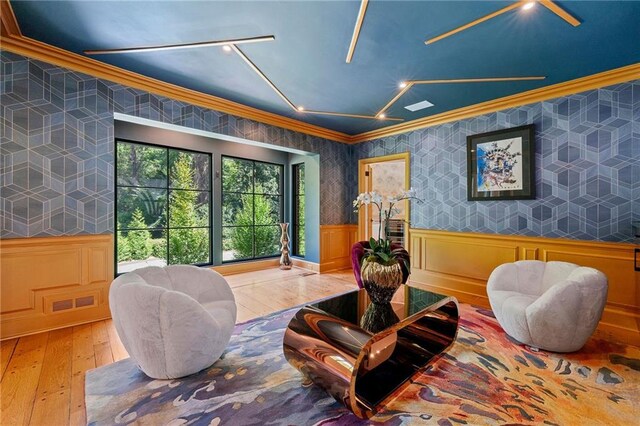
pixel 252 208
pixel 298 202
pixel 163 206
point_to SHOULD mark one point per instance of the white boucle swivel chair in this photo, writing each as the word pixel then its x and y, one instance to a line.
pixel 554 306
pixel 173 321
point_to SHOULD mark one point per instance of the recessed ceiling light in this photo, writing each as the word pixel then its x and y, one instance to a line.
pixel 528 5
pixel 402 84
pixel 226 48
pixel 300 108
pixel 418 106
pixel 382 116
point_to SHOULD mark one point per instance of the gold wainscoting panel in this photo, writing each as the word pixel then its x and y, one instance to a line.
pixel 335 246
pixel 37 272
pixel 459 264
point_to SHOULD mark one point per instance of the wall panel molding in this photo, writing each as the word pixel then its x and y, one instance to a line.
pixel 459 264
pixel 335 246
pixel 54 282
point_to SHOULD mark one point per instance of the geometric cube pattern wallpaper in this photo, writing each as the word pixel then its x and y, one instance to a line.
pixel 56 170
pixel 57 145
pixel 587 169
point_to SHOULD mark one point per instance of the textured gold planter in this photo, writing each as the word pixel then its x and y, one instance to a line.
pixel 381 281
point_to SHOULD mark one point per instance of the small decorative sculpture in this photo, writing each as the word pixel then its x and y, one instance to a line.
pixel 285 260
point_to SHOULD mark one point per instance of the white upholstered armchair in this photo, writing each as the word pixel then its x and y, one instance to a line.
pixel 173 321
pixel 554 306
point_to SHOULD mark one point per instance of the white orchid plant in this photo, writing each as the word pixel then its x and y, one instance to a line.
pixel 381 248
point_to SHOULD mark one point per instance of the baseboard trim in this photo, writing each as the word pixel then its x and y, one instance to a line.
pixel 305 264
pixel 249 266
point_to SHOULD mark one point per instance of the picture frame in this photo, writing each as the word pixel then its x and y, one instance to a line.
pixel 501 165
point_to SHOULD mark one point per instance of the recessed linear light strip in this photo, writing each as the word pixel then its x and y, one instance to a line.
pixel 301 109
pixel 525 4
pixel 406 85
pixel 264 77
pixel 356 30
pixel 477 21
pixel 475 80
pixel 560 12
pixel 182 46
pixel 340 114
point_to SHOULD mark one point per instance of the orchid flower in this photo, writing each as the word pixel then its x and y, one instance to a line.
pixel 386 205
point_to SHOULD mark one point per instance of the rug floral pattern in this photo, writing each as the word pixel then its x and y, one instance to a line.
pixel 484 378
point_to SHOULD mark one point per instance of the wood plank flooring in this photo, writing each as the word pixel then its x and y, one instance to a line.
pixel 42 375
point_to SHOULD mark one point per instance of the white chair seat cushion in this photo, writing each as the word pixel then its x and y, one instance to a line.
pixel 173 321
pixel 554 305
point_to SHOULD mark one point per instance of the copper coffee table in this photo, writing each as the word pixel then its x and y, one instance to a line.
pixel 364 370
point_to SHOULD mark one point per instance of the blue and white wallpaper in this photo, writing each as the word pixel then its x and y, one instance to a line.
pixel 587 169
pixel 57 148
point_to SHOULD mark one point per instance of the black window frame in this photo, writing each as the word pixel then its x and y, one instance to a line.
pixel 168 190
pixel 253 194
pixel 295 209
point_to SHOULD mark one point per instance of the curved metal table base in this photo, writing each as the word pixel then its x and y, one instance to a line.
pixel 363 370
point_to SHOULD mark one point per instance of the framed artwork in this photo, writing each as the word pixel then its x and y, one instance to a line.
pixel 501 165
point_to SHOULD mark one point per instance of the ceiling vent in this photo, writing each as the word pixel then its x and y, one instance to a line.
pixel 418 106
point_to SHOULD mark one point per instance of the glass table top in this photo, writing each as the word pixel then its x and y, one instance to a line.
pixel 351 306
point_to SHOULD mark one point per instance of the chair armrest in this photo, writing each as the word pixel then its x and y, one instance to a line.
pixel 555 315
pixel 502 278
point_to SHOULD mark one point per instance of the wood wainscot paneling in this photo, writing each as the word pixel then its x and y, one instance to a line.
pixel 335 246
pixel 459 264
pixel 54 282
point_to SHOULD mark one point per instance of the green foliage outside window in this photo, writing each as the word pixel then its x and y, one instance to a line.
pixel 242 237
pixel 252 208
pixel 139 240
pixel 124 252
pixel 186 245
pixel 163 204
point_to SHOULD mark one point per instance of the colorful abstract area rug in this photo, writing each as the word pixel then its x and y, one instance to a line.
pixel 484 378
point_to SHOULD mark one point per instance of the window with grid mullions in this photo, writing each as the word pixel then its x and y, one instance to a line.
pixel 298 246
pixel 163 206
pixel 252 208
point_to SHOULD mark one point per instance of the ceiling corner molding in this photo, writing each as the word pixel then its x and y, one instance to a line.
pixel 44 52
pixel 594 81
pixel 10 25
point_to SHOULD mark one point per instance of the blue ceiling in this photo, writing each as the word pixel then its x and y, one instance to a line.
pixel 307 59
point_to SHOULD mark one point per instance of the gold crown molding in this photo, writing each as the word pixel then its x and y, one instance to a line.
pixel 13 41
pixel 10 25
pixel 595 81
pixel 54 55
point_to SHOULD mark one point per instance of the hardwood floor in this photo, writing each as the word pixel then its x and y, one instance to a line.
pixel 42 375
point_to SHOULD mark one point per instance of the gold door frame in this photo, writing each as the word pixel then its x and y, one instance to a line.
pixel 363 164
